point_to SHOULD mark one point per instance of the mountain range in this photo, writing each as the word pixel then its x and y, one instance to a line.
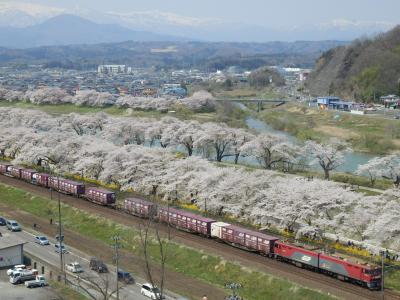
pixel 27 25
pixel 69 29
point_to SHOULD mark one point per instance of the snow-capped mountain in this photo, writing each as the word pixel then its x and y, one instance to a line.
pixel 20 14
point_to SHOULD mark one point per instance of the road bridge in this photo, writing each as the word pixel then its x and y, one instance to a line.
pixel 259 102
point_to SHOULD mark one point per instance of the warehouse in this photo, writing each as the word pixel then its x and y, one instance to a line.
pixel 11 252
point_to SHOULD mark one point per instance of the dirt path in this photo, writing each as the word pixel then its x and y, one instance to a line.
pixel 251 260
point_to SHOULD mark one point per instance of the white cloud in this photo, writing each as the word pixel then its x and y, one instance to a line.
pixel 157 17
pixel 344 24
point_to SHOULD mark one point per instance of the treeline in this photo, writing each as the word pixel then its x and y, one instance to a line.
pixel 364 70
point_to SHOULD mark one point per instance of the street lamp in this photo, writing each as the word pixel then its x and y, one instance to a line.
pixel 116 239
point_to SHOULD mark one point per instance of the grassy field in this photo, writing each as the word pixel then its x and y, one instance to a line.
pixel 364 133
pixel 65 292
pixel 190 262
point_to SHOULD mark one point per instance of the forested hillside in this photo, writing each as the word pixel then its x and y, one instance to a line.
pixel 363 70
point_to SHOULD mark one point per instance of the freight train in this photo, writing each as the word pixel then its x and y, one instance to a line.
pixel 250 240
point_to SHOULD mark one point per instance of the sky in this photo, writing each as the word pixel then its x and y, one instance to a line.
pixel 266 13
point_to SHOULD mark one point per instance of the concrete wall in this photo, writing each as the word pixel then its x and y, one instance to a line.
pixel 11 256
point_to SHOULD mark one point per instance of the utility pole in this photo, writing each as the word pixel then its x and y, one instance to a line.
pixel 116 239
pixel 60 235
pixel 383 275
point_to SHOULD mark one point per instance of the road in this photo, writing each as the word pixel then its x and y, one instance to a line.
pixel 48 254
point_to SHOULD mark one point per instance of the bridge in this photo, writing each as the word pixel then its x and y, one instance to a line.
pixel 259 102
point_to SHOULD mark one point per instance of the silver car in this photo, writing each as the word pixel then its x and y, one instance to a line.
pixel 41 240
pixel 13 225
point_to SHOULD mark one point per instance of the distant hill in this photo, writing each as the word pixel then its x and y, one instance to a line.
pixel 69 29
pixel 203 55
pixel 362 70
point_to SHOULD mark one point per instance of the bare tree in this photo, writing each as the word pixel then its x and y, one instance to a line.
pixel 149 235
pixel 99 287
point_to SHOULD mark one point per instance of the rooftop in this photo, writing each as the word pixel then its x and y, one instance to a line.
pixel 8 240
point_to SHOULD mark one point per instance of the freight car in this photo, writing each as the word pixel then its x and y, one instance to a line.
pixel 41 179
pixel 15 171
pixel 27 174
pixel 345 270
pixel 100 196
pixel 140 208
pixel 243 238
pixel 185 220
pixel 3 168
pixel 66 186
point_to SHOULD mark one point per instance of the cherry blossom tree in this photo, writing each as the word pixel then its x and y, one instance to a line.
pixel 262 197
pixel 270 150
pixel 373 169
pixel 329 155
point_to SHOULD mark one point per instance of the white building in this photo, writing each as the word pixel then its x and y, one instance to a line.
pixel 111 69
pixel 11 252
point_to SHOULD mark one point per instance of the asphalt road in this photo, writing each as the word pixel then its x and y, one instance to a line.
pixel 48 254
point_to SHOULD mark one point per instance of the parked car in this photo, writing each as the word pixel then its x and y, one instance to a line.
pixel 3 221
pixel 15 268
pixel 57 248
pixel 98 265
pixel 13 225
pixel 22 276
pixel 150 291
pixel 40 280
pixel 41 240
pixel 125 277
pixel 74 267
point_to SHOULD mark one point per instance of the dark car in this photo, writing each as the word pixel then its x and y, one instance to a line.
pixel 2 221
pixel 98 265
pixel 125 277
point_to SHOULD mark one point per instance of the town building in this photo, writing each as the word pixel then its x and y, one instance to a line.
pixel 112 69
pixel 11 252
pixel 330 102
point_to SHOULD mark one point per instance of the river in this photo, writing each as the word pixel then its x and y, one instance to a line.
pixel 352 159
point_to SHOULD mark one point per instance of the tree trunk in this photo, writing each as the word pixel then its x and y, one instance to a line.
pixel 326 172
pixel 237 158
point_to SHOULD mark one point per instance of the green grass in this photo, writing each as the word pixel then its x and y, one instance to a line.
pixel 365 133
pixel 190 262
pixel 392 279
pixel 66 292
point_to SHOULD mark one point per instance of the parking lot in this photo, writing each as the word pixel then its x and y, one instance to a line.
pixel 20 292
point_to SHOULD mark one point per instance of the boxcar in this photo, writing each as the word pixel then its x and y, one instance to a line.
pixel 365 274
pixel 3 168
pixel 100 196
pixel 296 255
pixel 66 186
pixel 186 220
pixel 248 239
pixel 41 179
pixel 140 208
pixel 15 171
pixel 27 174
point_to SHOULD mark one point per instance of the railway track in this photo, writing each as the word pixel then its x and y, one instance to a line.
pixel 248 259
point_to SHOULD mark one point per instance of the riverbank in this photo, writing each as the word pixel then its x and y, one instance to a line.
pixel 365 134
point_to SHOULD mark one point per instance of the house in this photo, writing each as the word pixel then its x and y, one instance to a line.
pixel 11 251
pixel 330 102
pixel 390 101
